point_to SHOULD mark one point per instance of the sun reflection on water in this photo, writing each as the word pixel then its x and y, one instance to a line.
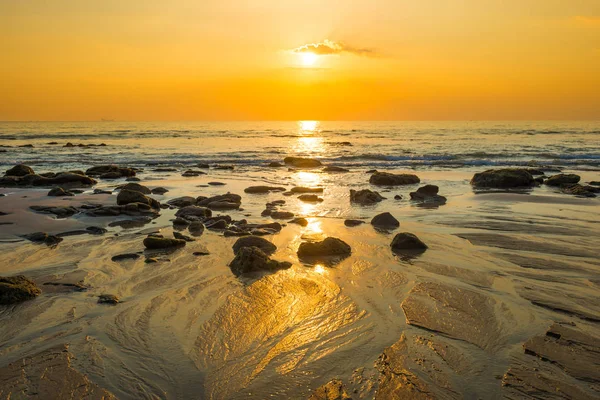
pixel 308 127
pixel 319 269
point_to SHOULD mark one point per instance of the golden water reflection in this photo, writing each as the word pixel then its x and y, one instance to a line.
pixel 309 127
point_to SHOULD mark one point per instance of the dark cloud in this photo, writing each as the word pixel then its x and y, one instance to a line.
pixel 328 47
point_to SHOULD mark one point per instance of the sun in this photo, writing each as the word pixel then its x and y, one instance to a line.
pixel 309 59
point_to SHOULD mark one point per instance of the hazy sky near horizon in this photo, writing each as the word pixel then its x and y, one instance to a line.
pixel 244 60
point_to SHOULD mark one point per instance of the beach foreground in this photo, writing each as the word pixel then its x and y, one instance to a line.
pixel 503 302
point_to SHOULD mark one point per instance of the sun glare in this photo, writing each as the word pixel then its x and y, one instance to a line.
pixel 309 59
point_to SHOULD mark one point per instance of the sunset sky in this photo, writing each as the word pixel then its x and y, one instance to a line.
pixel 286 60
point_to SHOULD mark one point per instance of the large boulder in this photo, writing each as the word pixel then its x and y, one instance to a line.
pixel 19 170
pixel 503 178
pixel 407 242
pixel 562 179
pixel 385 221
pixel 325 249
pixel 253 259
pixel 16 289
pixel 157 242
pixel 126 196
pixel 183 201
pixel 388 179
pixel 263 189
pixel 136 187
pixel 254 241
pixel 193 212
pixel 228 201
pixel 300 162
pixel 365 197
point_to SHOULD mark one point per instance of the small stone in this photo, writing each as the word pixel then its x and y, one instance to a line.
pixel 299 221
pixel 353 222
pixel 407 241
pixel 58 191
pixel 153 242
pixel 108 299
pixel 126 256
pixel 385 221
pixel 310 198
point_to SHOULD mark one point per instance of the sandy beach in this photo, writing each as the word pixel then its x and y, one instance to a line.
pixel 503 303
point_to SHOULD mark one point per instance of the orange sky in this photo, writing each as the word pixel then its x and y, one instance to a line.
pixel 235 60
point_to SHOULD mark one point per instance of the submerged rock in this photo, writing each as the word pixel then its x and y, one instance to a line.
pixel 192 213
pixel 263 189
pixel 159 190
pixel 115 170
pixel 254 241
pixel 108 299
pixel 505 178
pixel 310 198
pixel 562 179
pixel 136 187
pixel 19 170
pixel 332 390
pixel 275 164
pixel 320 251
pixel 281 214
pixel 58 191
pixel 300 162
pixel 299 221
pixel 43 237
pixel 16 289
pixel 126 256
pixel 196 228
pixel 156 242
pixel 385 221
pixel 365 197
pixel 126 196
pixel 253 259
pixel 353 222
pixel 332 168
pixel 388 179
pixel 191 173
pixel 301 189
pixel 183 201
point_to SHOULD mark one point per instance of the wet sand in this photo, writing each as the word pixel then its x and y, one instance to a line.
pixel 503 304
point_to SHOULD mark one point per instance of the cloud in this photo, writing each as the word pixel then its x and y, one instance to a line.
pixel 329 47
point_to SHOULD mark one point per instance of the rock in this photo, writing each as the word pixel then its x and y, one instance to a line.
pixel 428 194
pixel 189 173
pixel 397 197
pixel 253 259
pixel 192 213
pixel 164 170
pixel 133 179
pixel 310 198
pixel 126 196
pixel 365 197
pixel 353 222
pixel 299 221
pixel 131 223
pixel 223 205
pixel 534 171
pixel 136 187
pixel 595 183
pixel 201 253
pixel 563 179
pixel 106 169
pixel 181 222
pixel 323 250
pixel 184 201
pixel 159 190
pixel 108 299
pixel 217 225
pixel 231 233
pixel 155 242
pixel 275 164
pixel 63 178
pixel 387 179
pixel 371 171
pixel 43 237
pixel 19 170
pixel 150 260
pixel 385 221
pixel 16 289
pixel 503 178
pixel 227 201
pixel 126 256
pixel 263 189
pixel 300 162
pixel 58 191
pixel 578 190
pixel 335 169
pixel 254 241
pixel 223 167
pixel 281 215
pixel 96 230
pixel 101 191
pixel 178 235
pixel 407 242
pixel 332 390
pixel 300 189
pixel 539 180
pixel 196 228
pixel 111 175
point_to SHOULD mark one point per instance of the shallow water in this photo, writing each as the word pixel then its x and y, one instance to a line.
pixel 188 328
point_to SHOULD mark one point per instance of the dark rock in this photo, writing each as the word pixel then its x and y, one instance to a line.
pixel 365 197
pixel 189 173
pixel 503 178
pixel 63 178
pixel 539 180
pixel 281 215
pixel 111 175
pixel 131 223
pixel 371 171
pixel 275 164
pixel 127 256
pixel 159 190
pixel 227 201
pixel 428 194
pixel 310 198
pixel 217 225
pixel 16 289
pixel 216 184
pixel 299 221
pixel 58 191
pixel 106 169
pixel 253 259
pixel 201 253
pixel 335 169
pixel 196 228
pixel 300 162
pixel 407 241
pixel 223 167
pixel 263 189
pixel 155 242
pixel 164 170
pixel 108 299
pixel 193 212
pixel 202 165
pixel 96 230
pixel 181 222
pixel 133 179
pixel 385 221
pixel 579 190
pixel 563 179
pixel 595 183
pixel 60 212
pixel 353 222
pixel 254 241
pixel 19 170
pixel 184 201
pixel 397 197
pixel 136 187
pixel 387 179
pixel 320 251
pixel 101 191
pixel 26 145
pixel 300 189
pixel 231 233
pixel 178 235
pixel 126 196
